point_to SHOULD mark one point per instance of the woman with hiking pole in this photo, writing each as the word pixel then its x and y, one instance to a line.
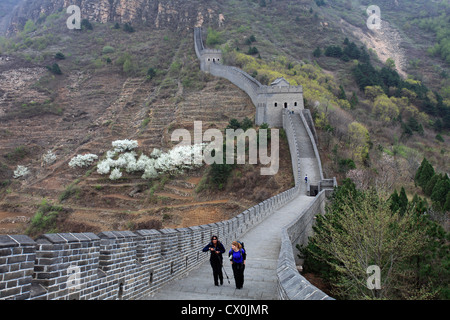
pixel 216 248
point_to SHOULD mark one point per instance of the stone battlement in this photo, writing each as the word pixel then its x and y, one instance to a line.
pixel 115 265
pixel 269 100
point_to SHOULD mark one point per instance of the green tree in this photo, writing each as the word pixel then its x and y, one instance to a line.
pixel 128 28
pixel 402 201
pixel 317 52
pixel 447 202
pixel 395 201
pixel 54 68
pixel 60 56
pixel 424 173
pixel 428 190
pixel 440 191
pixel 354 100
pixel 342 94
pixel 86 25
pixel 385 109
pixel 151 73
pixel 213 37
pixel 246 124
pixel 234 124
pixel 359 230
pixel 359 141
pixel 128 66
pixel 29 26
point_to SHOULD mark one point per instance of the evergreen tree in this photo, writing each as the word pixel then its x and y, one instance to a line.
pixel 395 201
pixel 55 69
pixel 424 173
pixel 86 25
pixel 128 28
pixel 317 53
pixel 428 190
pixel 402 201
pixel 342 94
pixel 246 124
pixel 447 202
pixel 233 124
pixel 440 191
pixel 419 205
pixel 333 51
pixel 354 100
pixel 60 56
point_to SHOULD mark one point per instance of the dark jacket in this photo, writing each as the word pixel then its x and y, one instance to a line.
pixel 215 255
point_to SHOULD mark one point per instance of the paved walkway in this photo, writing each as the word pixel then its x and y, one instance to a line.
pixel 262 243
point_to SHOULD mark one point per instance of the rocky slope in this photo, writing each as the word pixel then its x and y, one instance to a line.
pixel 173 14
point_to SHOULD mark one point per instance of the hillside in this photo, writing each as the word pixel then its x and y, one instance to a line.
pixel 143 82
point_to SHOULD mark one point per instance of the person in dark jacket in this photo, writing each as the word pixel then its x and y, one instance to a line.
pixel 216 248
pixel 237 257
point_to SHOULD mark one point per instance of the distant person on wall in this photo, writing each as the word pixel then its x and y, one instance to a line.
pixel 237 257
pixel 306 178
pixel 216 248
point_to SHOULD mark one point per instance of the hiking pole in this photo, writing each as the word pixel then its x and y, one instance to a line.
pixel 225 273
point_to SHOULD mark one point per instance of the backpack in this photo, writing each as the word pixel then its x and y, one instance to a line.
pixel 240 250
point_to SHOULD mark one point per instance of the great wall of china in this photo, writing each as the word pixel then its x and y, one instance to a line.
pixel 137 265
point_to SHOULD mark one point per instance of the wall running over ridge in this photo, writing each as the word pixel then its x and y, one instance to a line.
pixel 270 101
pixel 128 265
pixel 291 284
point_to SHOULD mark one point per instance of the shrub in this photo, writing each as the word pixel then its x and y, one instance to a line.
pixel 60 56
pixel 44 221
pixel 128 28
pixel 213 37
pixel 107 49
pixel 55 69
pixel 86 25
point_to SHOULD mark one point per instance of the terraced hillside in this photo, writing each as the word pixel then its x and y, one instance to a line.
pixel 96 110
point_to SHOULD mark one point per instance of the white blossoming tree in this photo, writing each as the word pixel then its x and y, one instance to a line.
pixel 20 171
pixel 174 161
pixel 82 160
pixel 49 157
pixel 115 174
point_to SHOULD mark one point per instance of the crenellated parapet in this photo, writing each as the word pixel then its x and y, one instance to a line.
pixel 114 265
pixel 268 100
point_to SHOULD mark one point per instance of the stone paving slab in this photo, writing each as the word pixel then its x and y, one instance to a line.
pixel 262 244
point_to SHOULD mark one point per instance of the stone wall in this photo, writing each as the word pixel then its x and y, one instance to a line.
pixel 114 264
pixel 128 265
pixel 268 100
pixel 291 284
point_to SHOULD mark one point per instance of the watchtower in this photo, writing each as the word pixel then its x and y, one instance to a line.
pixel 210 56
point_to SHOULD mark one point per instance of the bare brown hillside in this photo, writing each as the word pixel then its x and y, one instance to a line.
pixel 90 110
